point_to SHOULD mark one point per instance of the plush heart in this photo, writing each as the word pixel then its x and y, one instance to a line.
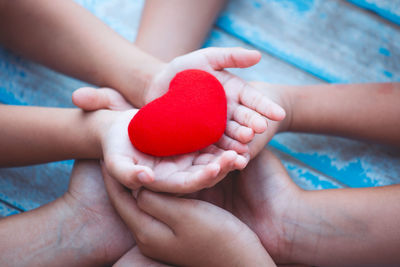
pixel 189 117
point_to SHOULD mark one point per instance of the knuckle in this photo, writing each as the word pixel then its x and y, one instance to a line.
pixel 142 198
pixel 130 182
pixel 111 164
pixel 143 238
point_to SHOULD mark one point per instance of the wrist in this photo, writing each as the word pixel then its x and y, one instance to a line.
pixel 134 75
pixel 286 100
pixel 305 226
pixel 100 123
pixel 45 236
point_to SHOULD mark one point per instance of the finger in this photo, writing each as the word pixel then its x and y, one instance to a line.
pixel 227 164
pixel 231 57
pixel 128 173
pixel 254 100
pixel 141 224
pixel 188 181
pixel 238 132
pixel 241 161
pixel 135 258
pixel 90 99
pixel 228 161
pixel 227 143
pixel 168 209
pixel 223 157
pixel 250 118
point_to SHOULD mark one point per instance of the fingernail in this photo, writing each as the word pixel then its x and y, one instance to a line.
pixel 241 162
pixel 144 177
pixel 281 112
pixel 215 167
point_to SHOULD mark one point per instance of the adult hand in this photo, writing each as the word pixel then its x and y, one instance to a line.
pixel 265 198
pixel 102 231
pixel 186 232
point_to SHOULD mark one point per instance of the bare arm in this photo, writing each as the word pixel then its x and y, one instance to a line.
pixel 360 111
pixel 348 227
pixel 34 135
pixel 80 228
pixel 172 28
pixel 66 37
pixel 336 227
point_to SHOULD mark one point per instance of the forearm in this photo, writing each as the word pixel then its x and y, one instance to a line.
pixel 348 227
pixel 361 111
pixel 51 235
pixel 35 135
pixel 172 28
pixel 65 36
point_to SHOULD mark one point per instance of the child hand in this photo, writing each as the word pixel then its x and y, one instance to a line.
pixel 185 231
pixel 135 258
pixel 248 109
pixel 179 174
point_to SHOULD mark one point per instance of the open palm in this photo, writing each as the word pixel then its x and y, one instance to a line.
pixel 248 109
pixel 178 174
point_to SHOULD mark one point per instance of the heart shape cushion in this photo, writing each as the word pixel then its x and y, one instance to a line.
pixel 189 117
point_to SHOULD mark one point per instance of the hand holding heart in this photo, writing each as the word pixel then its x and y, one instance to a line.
pixel 179 174
pixel 246 113
pixel 247 107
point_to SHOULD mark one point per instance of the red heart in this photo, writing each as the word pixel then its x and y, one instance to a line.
pixel 189 117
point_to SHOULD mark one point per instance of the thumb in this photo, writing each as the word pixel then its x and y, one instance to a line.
pixel 166 208
pixel 231 57
pixel 91 99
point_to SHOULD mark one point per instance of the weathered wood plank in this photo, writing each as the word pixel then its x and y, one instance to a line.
pixel 353 163
pixel 303 175
pixel 7 210
pixel 334 40
pixel 270 69
pixel 30 187
pixel 388 9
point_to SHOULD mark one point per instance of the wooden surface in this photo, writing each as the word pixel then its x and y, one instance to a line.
pixel 302 42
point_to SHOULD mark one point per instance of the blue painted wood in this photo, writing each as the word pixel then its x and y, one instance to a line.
pixel 29 187
pixel 6 210
pixel 303 175
pixel 270 69
pixel 334 40
pixel 388 9
pixel 353 163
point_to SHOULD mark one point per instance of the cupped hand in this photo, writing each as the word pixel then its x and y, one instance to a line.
pixel 135 258
pixel 265 198
pixel 186 232
pixel 248 109
pixel 178 174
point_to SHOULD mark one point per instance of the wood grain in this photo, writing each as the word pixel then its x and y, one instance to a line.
pixel 333 40
pixel 388 9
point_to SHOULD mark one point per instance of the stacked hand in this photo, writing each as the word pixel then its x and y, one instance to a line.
pixel 178 174
pixel 248 111
pixel 166 228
